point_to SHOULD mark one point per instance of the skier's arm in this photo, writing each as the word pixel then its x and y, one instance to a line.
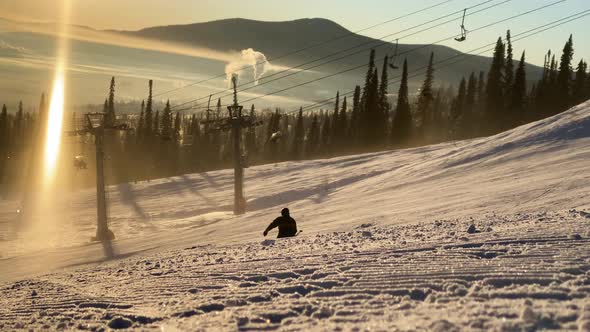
pixel 272 225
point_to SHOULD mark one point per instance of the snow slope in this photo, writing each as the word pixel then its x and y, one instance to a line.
pixel 384 244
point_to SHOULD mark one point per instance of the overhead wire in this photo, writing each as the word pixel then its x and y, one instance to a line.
pixel 406 52
pixel 527 34
pixel 375 44
pixel 311 46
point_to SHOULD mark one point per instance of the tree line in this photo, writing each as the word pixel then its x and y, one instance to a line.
pixel 167 143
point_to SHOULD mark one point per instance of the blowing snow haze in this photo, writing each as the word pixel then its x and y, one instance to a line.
pixel 251 64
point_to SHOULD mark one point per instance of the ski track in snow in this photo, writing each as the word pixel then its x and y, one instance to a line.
pixel 433 276
pixel 385 244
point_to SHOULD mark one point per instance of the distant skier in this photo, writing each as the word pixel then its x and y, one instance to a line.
pixel 287 225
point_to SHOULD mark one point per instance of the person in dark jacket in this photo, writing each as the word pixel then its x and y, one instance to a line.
pixel 287 225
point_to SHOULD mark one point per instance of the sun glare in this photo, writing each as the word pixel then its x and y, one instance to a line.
pixel 54 125
pixel 56 107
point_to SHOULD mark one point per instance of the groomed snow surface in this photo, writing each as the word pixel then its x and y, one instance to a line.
pixel 485 234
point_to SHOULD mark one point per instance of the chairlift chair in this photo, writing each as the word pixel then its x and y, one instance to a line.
pixel 80 163
pixel 275 137
pixel 392 63
pixel 463 30
pixel 245 160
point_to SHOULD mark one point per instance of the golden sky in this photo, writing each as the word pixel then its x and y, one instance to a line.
pixel 354 15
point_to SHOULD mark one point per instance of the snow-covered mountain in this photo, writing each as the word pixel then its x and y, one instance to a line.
pixel 384 242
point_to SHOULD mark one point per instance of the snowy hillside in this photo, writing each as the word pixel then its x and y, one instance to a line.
pixel 385 244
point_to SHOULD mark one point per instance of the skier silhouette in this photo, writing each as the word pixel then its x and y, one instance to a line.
pixel 287 225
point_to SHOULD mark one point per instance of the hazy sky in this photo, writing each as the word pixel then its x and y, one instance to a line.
pixel 135 14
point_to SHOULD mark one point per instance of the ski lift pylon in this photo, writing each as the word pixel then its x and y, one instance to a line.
pixel 392 63
pixel 463 30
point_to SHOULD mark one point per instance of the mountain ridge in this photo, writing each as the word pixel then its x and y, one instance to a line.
pixel 308 39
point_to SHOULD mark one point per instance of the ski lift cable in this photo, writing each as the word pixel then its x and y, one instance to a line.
pixel 527 34
pixel 327 101
pixel 411 50
pixel 374 44
pixel 393 62
pixel 310 46
pixel 379 42
pixel 463 30
pixel 406 52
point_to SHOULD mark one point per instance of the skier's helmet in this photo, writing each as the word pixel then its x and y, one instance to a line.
pixel 285 212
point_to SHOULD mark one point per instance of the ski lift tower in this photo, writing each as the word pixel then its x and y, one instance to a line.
pixel 236 122
pixel 235 118
pixel 96 126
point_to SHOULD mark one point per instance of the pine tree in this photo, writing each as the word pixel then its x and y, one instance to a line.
pixel 457 116
pixel 383 102
pixel 19 125
pixel 541 92
pixel 285 141
pixel 479 110
pixel 552 96
pixel 335 116
pixel 177 127
pixel 353 129
pixel 274 127
pixel 579 88
pixel 368 78
pixel 471 97
pixel 546 95
pixel 215 139
pixel 298 137
pixel 110 116
pixel 509 71
pixel 519 92
pixel 149 124
pixel 546 67
pixel 141 122
pixel 218 108
pixel 371 125
pixel 402 121
pixel 166 122
pixel 4 141
pixel 470 103
pixel 564 77
pixel 41 120
pixel 156 126
pixel 251 147
pixel 425 100
pixel 368 102
pixel 342 124
pixel 438 105
pixel 4 124
pixel 481 88
pixel 313 137
pixel 196 133
pixel 495 89
pixel 326 133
